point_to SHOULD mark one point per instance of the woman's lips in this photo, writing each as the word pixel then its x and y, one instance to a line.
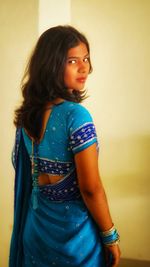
pixel 81 80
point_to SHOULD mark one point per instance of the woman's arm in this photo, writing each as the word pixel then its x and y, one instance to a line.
pixel 93 193
pixel 91 187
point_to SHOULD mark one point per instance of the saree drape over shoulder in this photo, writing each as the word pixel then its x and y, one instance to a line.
pixel 59 231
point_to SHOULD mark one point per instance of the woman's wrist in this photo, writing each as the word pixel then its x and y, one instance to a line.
pixel 106 232
pixel 110 237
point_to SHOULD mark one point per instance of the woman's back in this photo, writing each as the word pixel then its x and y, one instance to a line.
pixel 69 129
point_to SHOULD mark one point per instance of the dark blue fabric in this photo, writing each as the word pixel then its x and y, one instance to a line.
pixel 65 190
pixel 23 187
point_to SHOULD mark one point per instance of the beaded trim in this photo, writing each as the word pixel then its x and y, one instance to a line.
pixel 34 170
pixel 82 135
pixel 64 190
pixel 53 167
pixel 16 147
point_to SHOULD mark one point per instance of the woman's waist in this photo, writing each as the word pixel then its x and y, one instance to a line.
pixel 64 189
pixel 48 178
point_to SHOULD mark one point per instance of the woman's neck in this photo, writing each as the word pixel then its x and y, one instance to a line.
pixel 55 102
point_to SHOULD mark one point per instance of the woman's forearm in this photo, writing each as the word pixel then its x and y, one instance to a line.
pixel 97 204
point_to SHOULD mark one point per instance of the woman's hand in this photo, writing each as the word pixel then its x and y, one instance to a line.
pixel 112 254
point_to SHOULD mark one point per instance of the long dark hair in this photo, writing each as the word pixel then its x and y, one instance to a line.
pixel 43 80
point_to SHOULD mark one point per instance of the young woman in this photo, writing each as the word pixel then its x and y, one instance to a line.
pixel 61 213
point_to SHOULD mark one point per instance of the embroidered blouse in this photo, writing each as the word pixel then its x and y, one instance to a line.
pixel 69 130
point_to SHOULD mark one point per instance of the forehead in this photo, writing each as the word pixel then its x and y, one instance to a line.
pixel 78 51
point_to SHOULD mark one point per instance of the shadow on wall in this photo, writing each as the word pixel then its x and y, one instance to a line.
pixel 133 263
pixel 126 174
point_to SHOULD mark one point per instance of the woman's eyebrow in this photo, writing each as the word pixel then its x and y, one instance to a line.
pixel 87 55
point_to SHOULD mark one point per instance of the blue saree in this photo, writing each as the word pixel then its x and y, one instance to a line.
pixel 59 231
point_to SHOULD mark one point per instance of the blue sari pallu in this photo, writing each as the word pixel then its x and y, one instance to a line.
pixel 59 231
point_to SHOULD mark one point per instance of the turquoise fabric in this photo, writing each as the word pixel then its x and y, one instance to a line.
pixel 61 234
pixel 65 118
pixel 60 231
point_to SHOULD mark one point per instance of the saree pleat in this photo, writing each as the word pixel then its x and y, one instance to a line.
pixel 61 234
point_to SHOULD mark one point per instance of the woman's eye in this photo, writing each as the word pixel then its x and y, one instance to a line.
pixel 74 61
pixel 71 61
pixel 86 59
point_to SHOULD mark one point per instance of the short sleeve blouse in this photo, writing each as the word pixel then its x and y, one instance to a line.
pixel 69 130
pixel 82 130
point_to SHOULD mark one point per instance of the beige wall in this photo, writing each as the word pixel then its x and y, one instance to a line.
pixel 52 13
pixel 19 29
pixel 119 89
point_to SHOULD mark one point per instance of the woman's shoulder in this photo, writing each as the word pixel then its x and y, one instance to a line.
pixel 77 109
pixel 77 116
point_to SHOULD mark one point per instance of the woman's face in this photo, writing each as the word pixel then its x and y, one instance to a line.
pixel 77 67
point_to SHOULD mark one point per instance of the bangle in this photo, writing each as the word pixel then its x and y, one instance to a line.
pixel 108 232
pixel 110 237
pixel 112 244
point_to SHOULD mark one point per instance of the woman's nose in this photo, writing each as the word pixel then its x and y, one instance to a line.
pixel 83 67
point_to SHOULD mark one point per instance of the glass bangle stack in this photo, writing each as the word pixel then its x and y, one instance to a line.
pixel 110 237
